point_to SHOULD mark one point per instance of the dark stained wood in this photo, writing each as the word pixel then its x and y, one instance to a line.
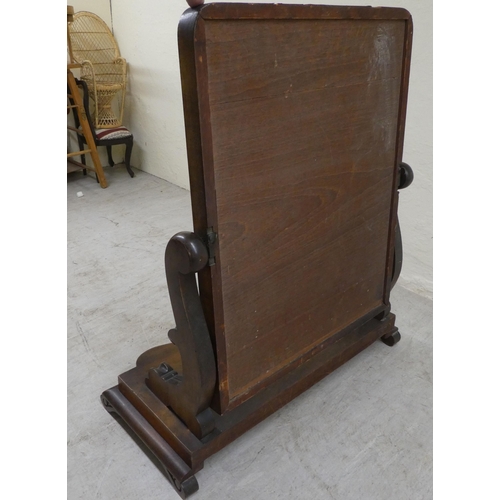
pixel 234 423
pixel 165 422
pixel 294 128
pixel 195 151
pixel 391 339
pixel 397 264
pixel 404 180
pixel 179 474
pixel 187 391
pixel 300 201
pixel 277 394
pixel 389 282
pixel 220 11
pixel 405 176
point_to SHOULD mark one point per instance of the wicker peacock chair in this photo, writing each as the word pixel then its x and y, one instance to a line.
pixel 102 68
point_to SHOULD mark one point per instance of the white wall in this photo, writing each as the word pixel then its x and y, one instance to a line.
pixel 147 36
pixel 102 8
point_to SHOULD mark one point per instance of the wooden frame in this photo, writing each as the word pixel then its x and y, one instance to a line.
pixel 294 280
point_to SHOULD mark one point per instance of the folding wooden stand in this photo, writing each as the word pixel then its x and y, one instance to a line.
pixel 294 123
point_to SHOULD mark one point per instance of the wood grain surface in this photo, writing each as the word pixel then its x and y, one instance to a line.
pixel 299 136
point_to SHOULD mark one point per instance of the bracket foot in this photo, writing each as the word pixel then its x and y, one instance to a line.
pixel 391 339
pixel 184 488
pixel 178 473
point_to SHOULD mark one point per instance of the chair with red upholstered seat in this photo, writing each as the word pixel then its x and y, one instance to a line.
pixel 105 137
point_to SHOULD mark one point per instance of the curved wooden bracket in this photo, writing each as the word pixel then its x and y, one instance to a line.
pixel 405 179
pixel 398 255
pixel 405 175
pixel 188 393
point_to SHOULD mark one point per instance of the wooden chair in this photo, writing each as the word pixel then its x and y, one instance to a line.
pixel 104 137
pixel 294 119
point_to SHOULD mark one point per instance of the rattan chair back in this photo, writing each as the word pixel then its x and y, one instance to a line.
pixel 94 47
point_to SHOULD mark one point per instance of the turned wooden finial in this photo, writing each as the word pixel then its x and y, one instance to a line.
pixel 195 3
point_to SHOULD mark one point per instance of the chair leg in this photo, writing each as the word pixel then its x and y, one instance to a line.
pixel 110 156
pixel 82 157
pixel 128 154
pixel 85 171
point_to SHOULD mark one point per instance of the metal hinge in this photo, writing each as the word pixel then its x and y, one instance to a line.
pixel 211 239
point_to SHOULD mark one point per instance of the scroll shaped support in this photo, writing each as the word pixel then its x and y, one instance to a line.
pixel 405 179
pixel 398 255
pixel 405 175
pixel 188 393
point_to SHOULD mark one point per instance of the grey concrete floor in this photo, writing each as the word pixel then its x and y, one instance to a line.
pixel 363 432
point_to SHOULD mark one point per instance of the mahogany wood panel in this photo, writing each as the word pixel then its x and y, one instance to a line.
pixel 295 169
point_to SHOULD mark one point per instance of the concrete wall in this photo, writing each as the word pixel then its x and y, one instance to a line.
pixel 147 36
